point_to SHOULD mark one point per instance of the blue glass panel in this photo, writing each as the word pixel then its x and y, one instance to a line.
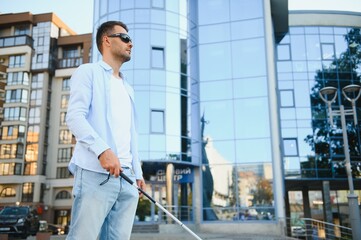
pixel 313 47
pixel 250 115
pixel 216 90
pixel 214 11
pixel 245 9
pixel 214 33
pixel 298 47
pixel 215 62
pixel 242 89
pixel 220 119
pixel 253 150
pixel 248 58
pixel 247 29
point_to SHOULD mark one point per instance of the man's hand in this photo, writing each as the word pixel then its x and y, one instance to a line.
pixel 141 185
pixel 110 162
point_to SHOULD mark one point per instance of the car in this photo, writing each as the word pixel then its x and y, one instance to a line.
pixel 56 229
pixel 19 221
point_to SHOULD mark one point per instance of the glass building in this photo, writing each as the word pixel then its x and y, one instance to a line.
pixel 204 79
pixel 233 136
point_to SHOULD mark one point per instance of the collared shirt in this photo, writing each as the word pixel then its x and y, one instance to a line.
pixel 89 117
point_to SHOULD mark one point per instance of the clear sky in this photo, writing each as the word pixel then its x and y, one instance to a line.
pixel 78 14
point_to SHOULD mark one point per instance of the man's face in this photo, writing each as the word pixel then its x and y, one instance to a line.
pixel 121 44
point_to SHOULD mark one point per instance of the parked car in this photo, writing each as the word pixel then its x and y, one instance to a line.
pixel 56 229
pixel 19 221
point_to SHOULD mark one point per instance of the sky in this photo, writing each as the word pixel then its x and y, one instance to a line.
pixel 78 14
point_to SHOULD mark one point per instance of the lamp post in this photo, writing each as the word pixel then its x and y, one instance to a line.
pixel 351 93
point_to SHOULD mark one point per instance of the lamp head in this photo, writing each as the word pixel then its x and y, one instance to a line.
pixel 351 92
pixel 328 94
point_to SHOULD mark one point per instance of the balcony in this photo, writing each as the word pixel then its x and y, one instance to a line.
pixel 13 41
pixel 70 62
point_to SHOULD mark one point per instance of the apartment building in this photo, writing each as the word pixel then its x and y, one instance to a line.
pixel 38 54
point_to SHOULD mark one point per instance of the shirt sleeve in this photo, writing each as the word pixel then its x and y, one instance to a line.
pixel 81 84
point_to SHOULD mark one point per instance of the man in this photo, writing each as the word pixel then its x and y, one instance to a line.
pixel 101 115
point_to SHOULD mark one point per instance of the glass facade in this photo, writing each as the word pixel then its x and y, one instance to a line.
pixel 310 58
pixel 199 71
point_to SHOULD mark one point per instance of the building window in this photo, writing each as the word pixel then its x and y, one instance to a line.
pixel 328 51
pixel 63 195
pixel 64 101
pixel 15 113
pixel 34 115
pixel 62 172
pixel 37 81
pixel 290 147
pixel 283 52
pixel 157 57
pixel 287 98
pixel 17 78
pixel 71 52
pixel 158 3
pixel 63 119
pixel 40 41
pixel 65 137
pixel 10 169
pixel 12 132
pixel 28 192
pixel 157 121
pixel 17 61
pixel 64 154
pixel 8 192
pixel 22 30
pixel 11 151
pixel 17 95
pixel 66 84
pixel 30 168
pixel 36 97
pixel 39 58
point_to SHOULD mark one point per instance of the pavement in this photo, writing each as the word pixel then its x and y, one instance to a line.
pixel 187 236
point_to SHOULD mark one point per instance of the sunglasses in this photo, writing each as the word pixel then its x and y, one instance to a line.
pixel 123 36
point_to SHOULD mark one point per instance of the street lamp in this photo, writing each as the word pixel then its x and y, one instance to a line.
pixel 351 93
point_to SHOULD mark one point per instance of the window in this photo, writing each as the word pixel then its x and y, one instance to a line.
pixel 62 172
pixel 158 3
pixel 64 101
pixel 70 52
pixel 7 169
pixel 28 192
pixel 65 137
pixel 328 51
pixel 39 58
pixel 40 41
pixel 15 113
pixel 30 168
pixel 63 119
pixel 17 78
pixel 287 98
pixel 11 151
pixel 12 132
pixel 64 154
pixel 37 81
pixel 17 61
pixel 36 97
pixel 290 147
pixel 8 192
pixel 34 115
pixel 157 121
pixel 66 84
pixel 17 95
pixel 157 57
pixel 283 52
pixel 63 195
pixel 22 30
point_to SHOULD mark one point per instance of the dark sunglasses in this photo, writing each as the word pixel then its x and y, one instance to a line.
pixel 123 36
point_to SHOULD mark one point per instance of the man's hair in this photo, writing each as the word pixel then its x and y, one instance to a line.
pixel 107 29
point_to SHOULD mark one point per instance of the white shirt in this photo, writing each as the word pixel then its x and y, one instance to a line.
pixel 120 111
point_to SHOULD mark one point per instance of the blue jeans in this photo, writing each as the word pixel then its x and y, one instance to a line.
pixel 105 211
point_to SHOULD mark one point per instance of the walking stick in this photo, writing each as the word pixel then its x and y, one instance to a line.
pixel 125 177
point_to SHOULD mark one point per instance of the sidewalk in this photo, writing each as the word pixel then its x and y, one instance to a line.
pixel 187 236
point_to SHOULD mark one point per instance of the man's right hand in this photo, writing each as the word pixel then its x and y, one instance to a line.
pixel 110 162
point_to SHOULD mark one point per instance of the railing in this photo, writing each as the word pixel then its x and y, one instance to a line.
pixel 70 62
pixel 183 213
pixel 308 228
pixel 16 41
